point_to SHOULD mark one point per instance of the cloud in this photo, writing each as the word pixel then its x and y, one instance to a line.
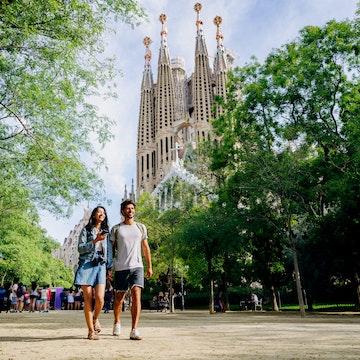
pixel 250 27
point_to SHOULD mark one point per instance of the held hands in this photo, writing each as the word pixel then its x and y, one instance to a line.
pixel 109 275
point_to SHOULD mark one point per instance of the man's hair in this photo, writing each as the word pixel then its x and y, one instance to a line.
pixel 125 203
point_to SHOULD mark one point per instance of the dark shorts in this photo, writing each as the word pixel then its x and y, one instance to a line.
pixel 126 279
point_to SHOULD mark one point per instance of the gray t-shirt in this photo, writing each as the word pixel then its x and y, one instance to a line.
pixel 127 239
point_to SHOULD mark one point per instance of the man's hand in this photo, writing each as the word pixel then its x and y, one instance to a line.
pixel 149 273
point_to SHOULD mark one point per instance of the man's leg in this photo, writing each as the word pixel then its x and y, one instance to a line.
pixel 135 305
pixel 118 302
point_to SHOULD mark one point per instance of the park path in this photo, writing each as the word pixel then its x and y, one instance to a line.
pixel 194 335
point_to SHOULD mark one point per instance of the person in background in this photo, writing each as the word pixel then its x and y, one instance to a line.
pixel 2 298
pixel 95 261
pixel 63 298
pixel 77 298
pixel 129 239
pixel 26 300
pixel 254 300
pixel 43 299
pixel 33 296
pixel 108 296
pixel 48 298
pixel 20 291
pixel 70 300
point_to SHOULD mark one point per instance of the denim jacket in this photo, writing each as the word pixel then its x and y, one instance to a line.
pixel 87 249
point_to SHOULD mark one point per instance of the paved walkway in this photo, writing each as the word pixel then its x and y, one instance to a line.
pixel 183 335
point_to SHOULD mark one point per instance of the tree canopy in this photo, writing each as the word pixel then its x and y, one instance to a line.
pixel 289 149
pixel 52 64
pixel 286 162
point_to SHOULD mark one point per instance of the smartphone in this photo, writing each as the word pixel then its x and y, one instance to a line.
pixel 104 231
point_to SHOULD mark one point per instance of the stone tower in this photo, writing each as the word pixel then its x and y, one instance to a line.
pixel 176 111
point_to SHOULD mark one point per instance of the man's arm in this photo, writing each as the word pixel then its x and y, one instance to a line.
pixel 147 254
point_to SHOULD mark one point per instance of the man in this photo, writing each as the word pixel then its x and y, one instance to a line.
pixel 129 238
pixel 254 301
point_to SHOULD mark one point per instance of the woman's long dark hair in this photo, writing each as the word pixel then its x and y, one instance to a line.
pixel 91 223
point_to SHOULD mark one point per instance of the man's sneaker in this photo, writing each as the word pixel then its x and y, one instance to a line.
pixel 117 329
pixel 134 335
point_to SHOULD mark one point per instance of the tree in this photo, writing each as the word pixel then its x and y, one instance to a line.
pixel 27 253
pixel 210 243
pixel 290 142
pixel 51 63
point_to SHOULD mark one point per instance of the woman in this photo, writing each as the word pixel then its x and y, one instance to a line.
pixel 33 296
pixel 77 298
pixel 95 259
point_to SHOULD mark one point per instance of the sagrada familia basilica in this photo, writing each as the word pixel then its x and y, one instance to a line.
pixel 174 116
pixel 176 111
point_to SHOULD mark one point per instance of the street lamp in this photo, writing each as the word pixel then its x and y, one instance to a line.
pixel 182 288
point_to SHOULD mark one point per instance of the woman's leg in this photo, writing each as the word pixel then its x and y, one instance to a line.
pixel 99 299
pixel 87 291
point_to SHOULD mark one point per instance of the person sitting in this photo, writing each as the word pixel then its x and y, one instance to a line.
pixel 254 301
pixel 165 302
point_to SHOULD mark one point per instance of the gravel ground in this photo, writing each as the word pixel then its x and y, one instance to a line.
pixel 183 335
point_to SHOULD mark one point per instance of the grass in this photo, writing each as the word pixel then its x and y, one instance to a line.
pixel 321 307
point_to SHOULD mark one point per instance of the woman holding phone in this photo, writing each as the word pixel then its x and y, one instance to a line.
pixel 95 261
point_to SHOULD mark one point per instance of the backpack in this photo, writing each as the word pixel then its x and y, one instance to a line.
pixel 19 291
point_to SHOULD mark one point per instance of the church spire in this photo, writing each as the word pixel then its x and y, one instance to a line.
pixel 147 82
pixel 202 83
pixel 199 23
pixel 220 63
pixel 200 41
pixel 165 107
pixel 221 66
pixel 145 141
pixel 164 57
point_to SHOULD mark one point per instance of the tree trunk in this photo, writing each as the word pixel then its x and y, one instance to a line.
pixel 297 274
pixel 274 300
pixel 171 279
pixel 211 300
pixel 357 284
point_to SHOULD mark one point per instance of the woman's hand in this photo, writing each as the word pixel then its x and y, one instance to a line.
pixel 99 237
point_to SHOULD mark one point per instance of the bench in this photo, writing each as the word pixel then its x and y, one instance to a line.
pixel 154 305
pixel 246 305
pixel 258 305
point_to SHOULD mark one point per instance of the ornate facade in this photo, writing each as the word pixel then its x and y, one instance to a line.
pixel 176 111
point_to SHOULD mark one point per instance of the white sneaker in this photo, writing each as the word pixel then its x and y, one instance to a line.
pixel 117 329
pixel 134 335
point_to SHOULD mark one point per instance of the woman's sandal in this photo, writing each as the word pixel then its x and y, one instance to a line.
pixel 93 335
pixel 97 327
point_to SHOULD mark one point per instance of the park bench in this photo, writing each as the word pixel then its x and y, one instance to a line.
pixel 246 305
pixel 154 305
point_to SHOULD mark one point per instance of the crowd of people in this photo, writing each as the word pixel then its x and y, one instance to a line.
pixel 18 298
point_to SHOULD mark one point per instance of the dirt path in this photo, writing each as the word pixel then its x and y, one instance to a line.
pixel 182 335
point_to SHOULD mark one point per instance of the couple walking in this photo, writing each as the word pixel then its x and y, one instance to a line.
pixel 97 244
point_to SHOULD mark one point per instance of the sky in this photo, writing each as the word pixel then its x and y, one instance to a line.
pixel 249 27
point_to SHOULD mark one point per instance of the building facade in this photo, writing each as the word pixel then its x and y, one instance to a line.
pixel 176 110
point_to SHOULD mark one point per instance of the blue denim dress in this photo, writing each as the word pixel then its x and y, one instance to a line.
pixel 92 265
